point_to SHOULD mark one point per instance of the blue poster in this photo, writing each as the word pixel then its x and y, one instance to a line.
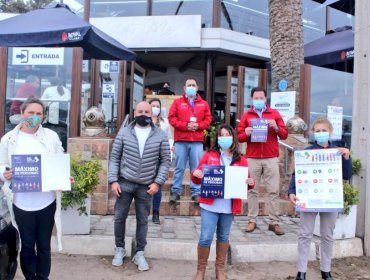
pixel 26 173
pixel 260 130
pixel 213 182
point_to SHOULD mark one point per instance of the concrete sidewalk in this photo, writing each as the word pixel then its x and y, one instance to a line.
pixel 176 238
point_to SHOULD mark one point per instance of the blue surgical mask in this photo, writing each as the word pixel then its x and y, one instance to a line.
pixel 322 137
pixel 190 91
pixel 258 104
pixel 32 121
pixel 225 142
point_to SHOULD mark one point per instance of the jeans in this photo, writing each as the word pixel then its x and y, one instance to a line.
pixel 143 202
pixel 157 198
pixel 212 222
pixel 185 151
pixel 35 228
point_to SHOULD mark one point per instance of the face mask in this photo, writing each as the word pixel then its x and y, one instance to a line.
pixel 225 142
pixel 190 91
pixel 143 120
pixel 321 137
pixel 156 111
pixel 258 104
pixel 32 121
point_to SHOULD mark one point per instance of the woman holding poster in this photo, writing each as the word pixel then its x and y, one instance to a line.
pixel 33 213
pixel 217 214
pixel 322 129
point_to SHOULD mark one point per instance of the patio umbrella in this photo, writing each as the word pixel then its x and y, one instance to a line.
pixel 334 50
pixel 58 26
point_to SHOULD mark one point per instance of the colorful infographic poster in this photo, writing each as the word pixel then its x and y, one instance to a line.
pixel 260 130
pixel 318 178
pixel 224 182
pixel 40 173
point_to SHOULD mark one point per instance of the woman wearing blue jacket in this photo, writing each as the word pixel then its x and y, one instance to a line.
pixel 322 129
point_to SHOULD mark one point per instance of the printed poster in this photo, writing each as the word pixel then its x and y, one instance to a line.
pixel 335 116
pixel 284 102
pixel 224 182
pixel 260 130
pixel 318 178
pixel 40 173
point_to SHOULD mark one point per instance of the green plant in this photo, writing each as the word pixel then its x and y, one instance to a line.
pixel 212 130
pixel 86 178
pixel 356 166
pixel 350 196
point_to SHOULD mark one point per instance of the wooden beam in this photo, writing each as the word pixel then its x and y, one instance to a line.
pixel 75 113
pixel 3 80
pixel 121 95
pixel 305 93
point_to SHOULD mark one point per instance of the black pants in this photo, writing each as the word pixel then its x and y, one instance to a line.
pixel 35 229
pixel 143 201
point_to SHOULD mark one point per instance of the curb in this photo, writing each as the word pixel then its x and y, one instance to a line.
pixel 100 245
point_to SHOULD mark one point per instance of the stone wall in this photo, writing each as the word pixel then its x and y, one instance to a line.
pixel 90 147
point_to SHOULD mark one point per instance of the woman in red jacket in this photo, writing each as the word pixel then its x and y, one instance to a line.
pixel 217 214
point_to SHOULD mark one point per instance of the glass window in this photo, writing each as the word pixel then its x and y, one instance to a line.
pixel 246 16
pixel 186 7
pixel 340 19
pixel 314 20
pixel 118 8
pixel 334 88
pixel 44 73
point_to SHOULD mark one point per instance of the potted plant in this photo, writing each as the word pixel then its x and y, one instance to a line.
pixel 345 226
pixel 210 135
pixel 76 203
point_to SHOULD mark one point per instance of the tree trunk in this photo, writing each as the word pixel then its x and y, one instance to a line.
pixel 286 43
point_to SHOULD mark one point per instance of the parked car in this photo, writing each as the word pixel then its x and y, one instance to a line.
pixel 9 242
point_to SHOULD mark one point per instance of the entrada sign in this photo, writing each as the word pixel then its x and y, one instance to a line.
pixel 38 56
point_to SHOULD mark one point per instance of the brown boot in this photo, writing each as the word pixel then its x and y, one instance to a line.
pixel 221 254
pixel 203 254
pixel 251 227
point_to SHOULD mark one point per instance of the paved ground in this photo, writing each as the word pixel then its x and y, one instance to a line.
pixel 71 267
pixel 188 228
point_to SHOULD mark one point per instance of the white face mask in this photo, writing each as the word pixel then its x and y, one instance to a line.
pixel 156 111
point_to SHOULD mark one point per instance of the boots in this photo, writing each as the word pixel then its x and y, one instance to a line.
pixel 203 254
pixel 326 275
pixel 156 217
pixel 221 253
pixel 301 276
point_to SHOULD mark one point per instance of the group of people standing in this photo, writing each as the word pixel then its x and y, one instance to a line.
pixel 141 159
pixel 138 168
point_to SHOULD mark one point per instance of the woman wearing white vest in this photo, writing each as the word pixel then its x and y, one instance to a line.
pixel 33 214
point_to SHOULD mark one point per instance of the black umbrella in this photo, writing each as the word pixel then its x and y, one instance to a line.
pixel 58 26
pixel 335 50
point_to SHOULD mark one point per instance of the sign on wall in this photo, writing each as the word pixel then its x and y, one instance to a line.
pixel 38 56
pixel 335 116
pixel 284 102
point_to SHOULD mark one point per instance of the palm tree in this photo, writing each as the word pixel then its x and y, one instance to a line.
pixel 286 43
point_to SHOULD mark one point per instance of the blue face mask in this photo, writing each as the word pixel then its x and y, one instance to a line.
pixel 258 104
pixel 190 91
pixel 322 137
pixel 225 142
pixel 32 121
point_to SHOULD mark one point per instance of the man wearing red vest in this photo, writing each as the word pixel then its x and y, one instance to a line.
pixel 190 116
pixel 261 127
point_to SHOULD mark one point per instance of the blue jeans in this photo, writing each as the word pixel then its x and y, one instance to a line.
pixel 210 222
pixel 185 151
pixel 157 200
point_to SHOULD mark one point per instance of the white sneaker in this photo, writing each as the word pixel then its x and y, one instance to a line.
pixel 118 256
pixel 140 261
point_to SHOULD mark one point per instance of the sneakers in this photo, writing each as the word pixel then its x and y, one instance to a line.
pixel 140 261
pixel 118 256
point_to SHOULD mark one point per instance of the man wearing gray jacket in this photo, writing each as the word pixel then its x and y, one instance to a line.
pixel 138 166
